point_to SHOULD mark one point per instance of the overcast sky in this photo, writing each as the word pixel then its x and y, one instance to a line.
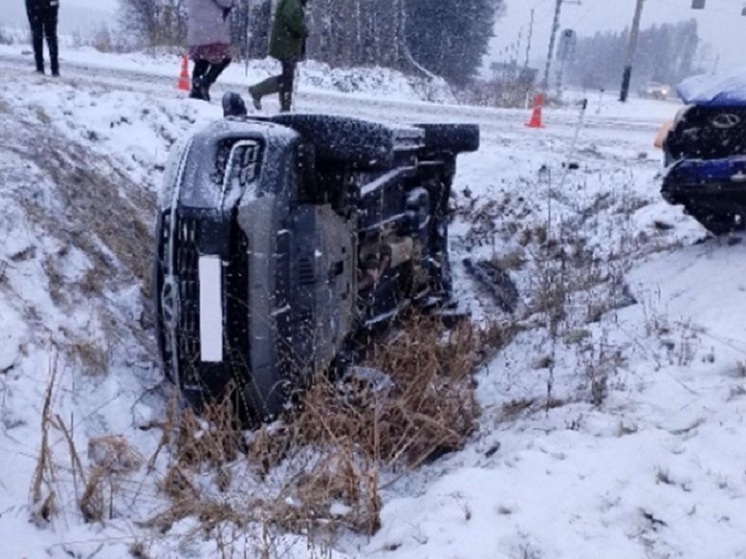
pixel 720 23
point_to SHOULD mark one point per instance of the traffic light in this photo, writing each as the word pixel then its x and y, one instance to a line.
pixel 700 5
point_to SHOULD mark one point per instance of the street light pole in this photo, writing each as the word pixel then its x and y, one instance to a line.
pixel 631 46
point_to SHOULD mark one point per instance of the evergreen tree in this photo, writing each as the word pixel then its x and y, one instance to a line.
pixel 450 37
pixel 443 37
pixel 665 53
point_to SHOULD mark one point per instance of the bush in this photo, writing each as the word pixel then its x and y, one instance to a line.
pixel 411 401
pixel 6 38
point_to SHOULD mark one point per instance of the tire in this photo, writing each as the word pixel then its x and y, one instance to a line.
pixel 344 141
pixel 450 138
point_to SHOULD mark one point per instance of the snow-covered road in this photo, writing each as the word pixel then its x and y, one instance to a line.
pixel 153 75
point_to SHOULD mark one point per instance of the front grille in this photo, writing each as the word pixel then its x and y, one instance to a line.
pixel 186 270
pixel 190 232
pixel 709 133
pixel 306 272
pixel 237 309
pixel 165 313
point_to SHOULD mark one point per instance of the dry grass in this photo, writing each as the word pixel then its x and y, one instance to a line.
pixel 113 454
pixel 512 261
pixel 111 460
pixel 93 358
pixel 43 494
pixel 214 438
pixel 434 407
pixel 410 402
pixel 93 502
pixel 514 408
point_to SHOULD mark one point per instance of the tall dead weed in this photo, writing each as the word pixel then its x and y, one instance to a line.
pixel 320 468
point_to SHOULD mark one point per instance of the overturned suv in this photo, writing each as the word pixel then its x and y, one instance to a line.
pixel 281 239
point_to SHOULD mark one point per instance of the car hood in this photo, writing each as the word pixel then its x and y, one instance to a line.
pixel 707 90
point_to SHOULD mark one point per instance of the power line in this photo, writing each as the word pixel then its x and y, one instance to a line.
pixel 580 19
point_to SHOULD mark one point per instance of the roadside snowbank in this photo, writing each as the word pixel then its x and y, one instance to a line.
pixel 314 76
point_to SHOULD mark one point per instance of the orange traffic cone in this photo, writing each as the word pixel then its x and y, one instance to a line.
pixel 535 120
pixel 183 83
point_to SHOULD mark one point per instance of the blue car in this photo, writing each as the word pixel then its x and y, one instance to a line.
pixel 705 152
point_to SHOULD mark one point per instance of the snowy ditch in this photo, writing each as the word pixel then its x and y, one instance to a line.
pixel 609 425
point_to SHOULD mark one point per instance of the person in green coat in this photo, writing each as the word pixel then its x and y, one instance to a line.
pixel 287 44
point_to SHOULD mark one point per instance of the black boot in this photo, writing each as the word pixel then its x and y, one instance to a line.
pixel 198 78
pixel 266 87
pixel 211 75
pixel 286 101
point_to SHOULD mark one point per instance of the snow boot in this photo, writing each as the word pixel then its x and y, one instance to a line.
pixel 286 101
pixel 198 75
pixel 211 75
pixel 267 87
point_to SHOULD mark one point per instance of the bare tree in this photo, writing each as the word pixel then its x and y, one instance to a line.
pixel 155 22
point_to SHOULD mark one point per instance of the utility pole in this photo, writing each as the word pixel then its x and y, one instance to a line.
pixel 555 28
pixel 631 46
pixel 552 37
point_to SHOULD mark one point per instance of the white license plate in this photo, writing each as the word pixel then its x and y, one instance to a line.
pixel 210 309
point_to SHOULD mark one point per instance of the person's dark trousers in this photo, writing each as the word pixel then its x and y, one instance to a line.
pixel 287 79
pixel 43 22
pixel 214 71
pixel 282 84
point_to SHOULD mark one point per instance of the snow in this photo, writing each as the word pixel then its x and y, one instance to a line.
pixel 314 76
pixel 640 453
pixel 721 90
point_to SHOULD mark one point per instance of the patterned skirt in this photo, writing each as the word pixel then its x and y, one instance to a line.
pixel 214 53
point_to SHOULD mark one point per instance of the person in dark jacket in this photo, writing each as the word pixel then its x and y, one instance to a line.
pixel 208 39
pixel 287 44
pixel 42 17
